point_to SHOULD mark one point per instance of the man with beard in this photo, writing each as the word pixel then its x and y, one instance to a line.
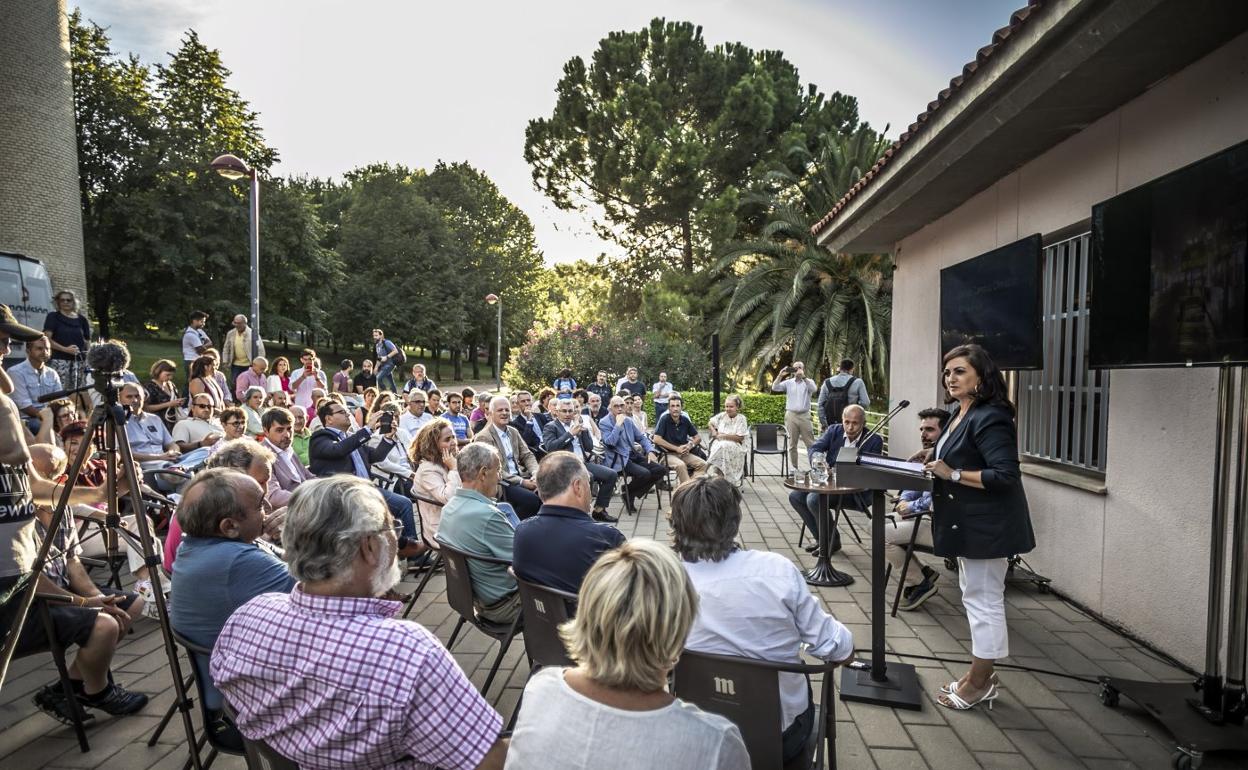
pixel 288 472
pixel 920 584
pixel 343 683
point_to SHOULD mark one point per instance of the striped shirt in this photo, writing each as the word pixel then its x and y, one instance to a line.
pixel 336 682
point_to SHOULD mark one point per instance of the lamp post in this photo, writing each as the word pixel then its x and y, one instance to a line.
pixel 494 299
pixel 232 167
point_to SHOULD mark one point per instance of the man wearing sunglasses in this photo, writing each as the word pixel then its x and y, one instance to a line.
pixel 331 450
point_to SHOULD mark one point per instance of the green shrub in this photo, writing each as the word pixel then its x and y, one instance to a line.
pixel 758 407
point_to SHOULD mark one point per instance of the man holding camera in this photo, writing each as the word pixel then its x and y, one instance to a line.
pixel 332 451
pixel 797 389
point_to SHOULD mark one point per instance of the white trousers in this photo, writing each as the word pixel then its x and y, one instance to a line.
pixel 983 594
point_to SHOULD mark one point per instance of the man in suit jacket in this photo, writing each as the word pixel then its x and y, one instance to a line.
pixel 331 451
pixel 568 434
pixel 288 472
pixel 523 420
pixel 621 437
pixel 518 477
pixel 848 433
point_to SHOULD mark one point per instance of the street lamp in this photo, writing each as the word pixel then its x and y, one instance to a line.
pixel 233 168
pixel 494 299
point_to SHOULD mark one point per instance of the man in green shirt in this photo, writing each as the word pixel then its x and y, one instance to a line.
pixel 473 522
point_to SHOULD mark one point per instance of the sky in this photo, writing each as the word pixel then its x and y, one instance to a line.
pixel 340 84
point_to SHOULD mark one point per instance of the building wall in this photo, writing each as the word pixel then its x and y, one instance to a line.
pixel 1139 553
pixel 40 214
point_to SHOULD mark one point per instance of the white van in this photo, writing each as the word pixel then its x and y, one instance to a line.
pixel 25 288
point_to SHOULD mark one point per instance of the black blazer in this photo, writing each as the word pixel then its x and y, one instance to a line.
pixel 989 523
pixel 328 454
pixel 530 436
pixel 556 438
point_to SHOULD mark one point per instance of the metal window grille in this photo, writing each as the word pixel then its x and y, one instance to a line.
pixel 1063 409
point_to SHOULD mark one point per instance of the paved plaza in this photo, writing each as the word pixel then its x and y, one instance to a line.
pixel 1039 721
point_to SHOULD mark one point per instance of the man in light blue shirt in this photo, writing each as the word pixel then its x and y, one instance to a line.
pixel 473 522
pixel 33 378
pixel 797 391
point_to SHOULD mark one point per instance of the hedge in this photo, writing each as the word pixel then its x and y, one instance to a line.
pixel 758 407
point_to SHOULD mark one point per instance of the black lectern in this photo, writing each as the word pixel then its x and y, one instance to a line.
pixel 885 684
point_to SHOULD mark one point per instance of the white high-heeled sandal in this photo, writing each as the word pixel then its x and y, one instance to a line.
pixel 953 686
pixel 958 703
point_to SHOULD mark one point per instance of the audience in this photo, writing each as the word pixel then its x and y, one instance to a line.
pixel 310 378
pixel 342 377
pixel 846 433
pixel 395 466
pixel 629 450
pixel 471 522
pixel 601 388
pixel 557 547
pixel 219 567
pixel 839 391
pixel 729 432
pixel 53 418
pixel 279 380
pixel 195 341
pixel 199 431
pixel 661 392
pixel 69 333
pixel 288 470
pixel 674 432
pixel 919 585
pixel 635 608
pixel 391 697
pixel 219 376
pixel 630 383
pixel 418 380
pixel 204 380
pixel 525 421
pixel 455 416
pixel 594 406
pixel 239 352
pixel 365 379
pixel 252 376
pixel 162 395
pixel 564 384
pixel 783 615
pixel 33 378
pixel 568 434
pixel 388 357
pixel 332 451
pixel 797 390
pixel 519 463
pixel 415 417
pixel 636 410
pixel 435 402
pixel 433 453
pixel 251 403
pixel 150 442
pixel 301 437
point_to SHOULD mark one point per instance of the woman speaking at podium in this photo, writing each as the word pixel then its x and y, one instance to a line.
pixel 979 511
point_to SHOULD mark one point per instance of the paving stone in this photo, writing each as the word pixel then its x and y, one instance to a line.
pixel 1043 750
pixel 991 760
pixel 1074 733
pixel 879 726
pixel 851 751
pixel 940 746
pixel 897 759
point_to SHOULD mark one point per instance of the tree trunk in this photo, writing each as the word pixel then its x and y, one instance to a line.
pixel 437 361
pixel 686 240
pixel 476 361
pixel 457 366
pixel 103 309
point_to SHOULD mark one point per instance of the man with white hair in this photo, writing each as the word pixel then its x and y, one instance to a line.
pixel 518 477
pixel 238 349
pixel 848 432
pixel 325 674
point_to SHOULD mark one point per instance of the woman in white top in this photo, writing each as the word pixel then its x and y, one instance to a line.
pixel 634 610
pixel 784 616
pixel 637 412
pixel 253 399
pixel 437 477
pixel 729 430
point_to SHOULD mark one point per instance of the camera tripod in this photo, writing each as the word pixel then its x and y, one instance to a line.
pixel 108 421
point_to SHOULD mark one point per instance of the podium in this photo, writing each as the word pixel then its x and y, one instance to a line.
pixel 883 684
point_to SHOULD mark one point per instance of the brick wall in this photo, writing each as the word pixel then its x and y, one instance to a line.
pixel 40 214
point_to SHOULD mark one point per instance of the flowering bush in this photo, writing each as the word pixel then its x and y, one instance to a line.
pixel 587 349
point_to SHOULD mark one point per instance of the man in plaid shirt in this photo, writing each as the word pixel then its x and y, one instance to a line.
pixel 325 675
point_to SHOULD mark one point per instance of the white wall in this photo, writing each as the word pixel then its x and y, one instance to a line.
pixel 1139 554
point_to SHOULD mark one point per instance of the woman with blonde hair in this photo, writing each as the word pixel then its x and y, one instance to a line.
pixel 437 476
pixel 635 608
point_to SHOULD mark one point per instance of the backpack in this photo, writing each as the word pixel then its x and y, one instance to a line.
pixel 838 399
pixel 401 358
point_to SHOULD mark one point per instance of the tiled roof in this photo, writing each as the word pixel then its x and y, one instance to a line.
pixel 1000 38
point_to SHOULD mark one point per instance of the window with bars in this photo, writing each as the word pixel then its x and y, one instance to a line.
pixel 1063 409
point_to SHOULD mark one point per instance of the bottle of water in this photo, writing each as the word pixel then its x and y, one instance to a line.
pixel 819 468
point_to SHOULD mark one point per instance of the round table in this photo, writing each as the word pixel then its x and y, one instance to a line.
pixel 823 573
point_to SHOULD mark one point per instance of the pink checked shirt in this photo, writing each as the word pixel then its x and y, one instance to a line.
pixel 336 682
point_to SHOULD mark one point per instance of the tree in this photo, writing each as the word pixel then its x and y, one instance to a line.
pixel 659 132
pixel 789 297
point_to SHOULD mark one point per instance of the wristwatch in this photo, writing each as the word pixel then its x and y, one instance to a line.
pixel 956 476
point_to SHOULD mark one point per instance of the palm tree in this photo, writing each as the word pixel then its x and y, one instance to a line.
pixel 787 296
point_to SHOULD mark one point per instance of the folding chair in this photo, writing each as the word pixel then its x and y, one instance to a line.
pixel 747 693
pixel 768 438
pixel 432 564
pixel 460 596
pixel 544 609
pixel 260 755
pixel 911 547
pixel 77 714
pixel 219 731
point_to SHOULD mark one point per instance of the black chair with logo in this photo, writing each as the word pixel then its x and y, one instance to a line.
pixel 770 439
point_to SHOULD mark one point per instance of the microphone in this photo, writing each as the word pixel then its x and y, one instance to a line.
pixel 863 441
pixel 108 357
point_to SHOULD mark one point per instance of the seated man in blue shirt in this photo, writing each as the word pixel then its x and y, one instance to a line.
pixel 219 566
pixel 630 451
pixel 675 433
pixel 848 432
pixel 557 547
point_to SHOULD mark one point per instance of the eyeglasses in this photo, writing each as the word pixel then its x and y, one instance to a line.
pixel 202 406
pixel 234 423
pixel 338 412
pixel 397 529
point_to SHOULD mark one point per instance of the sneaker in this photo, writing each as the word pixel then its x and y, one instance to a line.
pixel 915 595
pixel 115 700
pixel 51 700
pixel 930 575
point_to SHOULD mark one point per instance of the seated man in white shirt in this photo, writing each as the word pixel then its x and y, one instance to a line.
pixel 201 429
pixel 783 615
pixel 151 443
pixel 415 417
